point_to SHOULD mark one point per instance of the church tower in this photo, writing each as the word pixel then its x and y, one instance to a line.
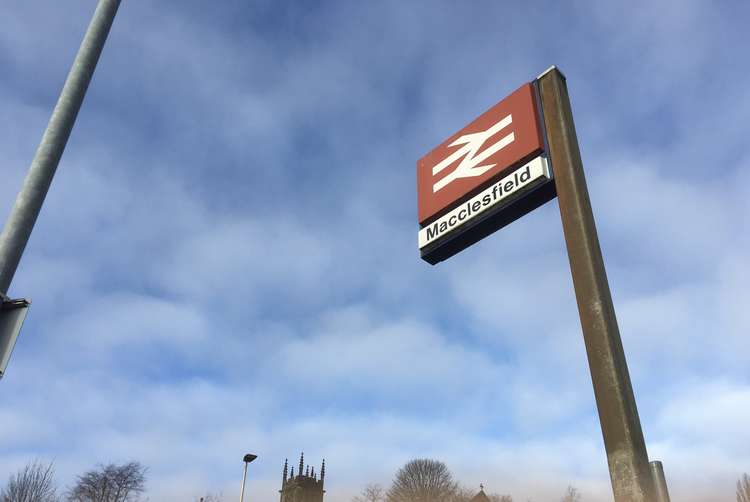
pixel 304 487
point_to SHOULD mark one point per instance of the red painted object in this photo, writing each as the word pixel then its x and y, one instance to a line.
pixel 500 139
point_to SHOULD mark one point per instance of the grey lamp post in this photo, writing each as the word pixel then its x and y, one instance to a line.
pixel 247 459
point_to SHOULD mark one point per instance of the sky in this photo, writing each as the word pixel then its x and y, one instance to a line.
pixel 227 259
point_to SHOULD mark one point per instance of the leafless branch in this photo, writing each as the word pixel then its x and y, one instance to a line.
pixel 110 483
pixel 743 489
pixel 422 480
pixel 34 483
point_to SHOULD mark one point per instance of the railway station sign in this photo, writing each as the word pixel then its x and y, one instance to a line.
pixel 483 177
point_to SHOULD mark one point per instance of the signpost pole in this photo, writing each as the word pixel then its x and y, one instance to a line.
pixel 621 427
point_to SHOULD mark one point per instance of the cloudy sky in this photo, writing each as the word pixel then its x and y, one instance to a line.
pixel 227 261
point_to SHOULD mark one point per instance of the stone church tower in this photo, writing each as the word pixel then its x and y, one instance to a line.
pixel 302 487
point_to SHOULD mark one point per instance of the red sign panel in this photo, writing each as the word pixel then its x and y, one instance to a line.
pixel 502 137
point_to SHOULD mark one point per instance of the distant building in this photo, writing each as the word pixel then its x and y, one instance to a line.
pixel 480 497
pixel 303 487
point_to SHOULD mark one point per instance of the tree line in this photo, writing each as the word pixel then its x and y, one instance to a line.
pixel 105 483
pixel 428 480
pixel 419 480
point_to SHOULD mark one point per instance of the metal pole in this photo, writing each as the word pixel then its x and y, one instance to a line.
pixel 21 221
pixel 660 482
pixel 621 427
pixel 242 491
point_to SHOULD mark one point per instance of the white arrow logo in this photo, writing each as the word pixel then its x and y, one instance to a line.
pixel 469 166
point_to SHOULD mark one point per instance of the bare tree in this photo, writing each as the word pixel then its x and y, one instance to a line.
pixel 496 497
pixel 422 480
pixel 373 492
pixel 110 483
pixel 34 483
pixel 211 497
pixel 463 494
pixel 743 489
pixel 571 495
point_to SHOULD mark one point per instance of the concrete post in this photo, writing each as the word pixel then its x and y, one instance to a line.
pixel 660 482
pixel 621 426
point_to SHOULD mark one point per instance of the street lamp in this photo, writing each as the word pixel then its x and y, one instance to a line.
pixel 247 459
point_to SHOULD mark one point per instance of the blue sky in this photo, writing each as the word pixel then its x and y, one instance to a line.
pixel 227 261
